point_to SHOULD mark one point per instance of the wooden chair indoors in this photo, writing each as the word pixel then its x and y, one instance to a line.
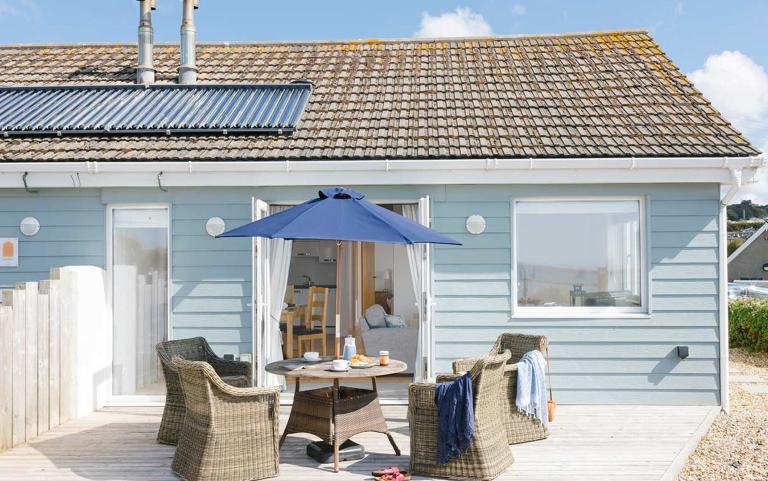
pixel 288 316
pixel 315 320
pixel 289 330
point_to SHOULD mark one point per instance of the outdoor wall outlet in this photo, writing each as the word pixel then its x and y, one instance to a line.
pixel 682 352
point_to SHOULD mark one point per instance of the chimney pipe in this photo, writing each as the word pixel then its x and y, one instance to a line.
pixel 188 69
pixel 145 72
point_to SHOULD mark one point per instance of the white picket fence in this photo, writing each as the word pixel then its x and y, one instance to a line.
pixel 37 360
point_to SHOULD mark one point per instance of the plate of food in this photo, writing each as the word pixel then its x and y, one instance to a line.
pixel 358 361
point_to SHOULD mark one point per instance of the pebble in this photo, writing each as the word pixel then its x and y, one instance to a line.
pixel 736 446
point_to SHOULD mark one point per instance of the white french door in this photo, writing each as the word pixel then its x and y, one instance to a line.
pixel 138 264
pixel 261 327
pixel 425 361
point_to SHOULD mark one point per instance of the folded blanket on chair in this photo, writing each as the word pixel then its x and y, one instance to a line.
pixel 456 416
pixel 532 385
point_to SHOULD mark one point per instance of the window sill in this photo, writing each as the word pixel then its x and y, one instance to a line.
pixel 579 315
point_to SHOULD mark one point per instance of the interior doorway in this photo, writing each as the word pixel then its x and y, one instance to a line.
pixel 382 300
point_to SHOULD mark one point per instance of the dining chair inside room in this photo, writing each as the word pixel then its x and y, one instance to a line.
pixel 315 320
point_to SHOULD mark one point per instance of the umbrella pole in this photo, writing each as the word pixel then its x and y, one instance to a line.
pixel 337 337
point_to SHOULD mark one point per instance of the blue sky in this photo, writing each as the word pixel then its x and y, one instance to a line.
pixel 720 44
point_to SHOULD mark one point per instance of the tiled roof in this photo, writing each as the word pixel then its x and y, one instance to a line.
pixel 613 94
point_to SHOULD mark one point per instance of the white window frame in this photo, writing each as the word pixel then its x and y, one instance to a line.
pixel 561 312
pixel 136 399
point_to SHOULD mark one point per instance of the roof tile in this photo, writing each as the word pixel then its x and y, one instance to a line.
pixel 579 95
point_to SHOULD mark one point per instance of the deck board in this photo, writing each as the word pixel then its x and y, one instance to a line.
pixel 597 443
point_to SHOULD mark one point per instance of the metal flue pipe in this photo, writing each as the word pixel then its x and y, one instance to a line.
pixel 188 67
pixel 145 71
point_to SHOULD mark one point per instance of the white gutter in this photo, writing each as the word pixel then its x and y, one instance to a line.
pixel 390 165
pixel 96 174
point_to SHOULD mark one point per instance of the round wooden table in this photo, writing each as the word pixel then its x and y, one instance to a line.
pixel 335 413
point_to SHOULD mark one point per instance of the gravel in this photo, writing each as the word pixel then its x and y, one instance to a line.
pixel 736 446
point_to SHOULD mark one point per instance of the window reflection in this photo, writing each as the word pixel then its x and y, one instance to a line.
pixel 578 253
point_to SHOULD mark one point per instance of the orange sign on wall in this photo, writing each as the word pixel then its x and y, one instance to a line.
pixel 9 252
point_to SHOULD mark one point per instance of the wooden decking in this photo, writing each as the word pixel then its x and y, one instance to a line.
pixel 588 443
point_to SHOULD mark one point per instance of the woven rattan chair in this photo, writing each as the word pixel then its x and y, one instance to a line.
pixel 489 454
pixel 520 427
pixel 234 373
pixel 229 433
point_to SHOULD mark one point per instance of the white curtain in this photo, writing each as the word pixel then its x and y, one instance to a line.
pixel 415 252
pixel 279 265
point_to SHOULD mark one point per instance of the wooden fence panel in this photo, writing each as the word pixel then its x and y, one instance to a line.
pixel 43 358
pixel 17 303
pixel 67 374
pixel 6 376
pixel 30 381
pixel 37 361
pixel 54 351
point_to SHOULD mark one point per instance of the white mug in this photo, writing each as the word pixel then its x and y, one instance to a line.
pixel 340 364
pixel 311 356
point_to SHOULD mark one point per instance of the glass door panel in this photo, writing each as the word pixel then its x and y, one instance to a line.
pixel 139 298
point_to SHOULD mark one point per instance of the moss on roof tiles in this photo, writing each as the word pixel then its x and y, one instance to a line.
pixel 375 96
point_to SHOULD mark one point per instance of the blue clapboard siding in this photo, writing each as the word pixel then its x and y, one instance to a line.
pixel 594 360
pixel 211 277
pixel 602 360
pixel 71 233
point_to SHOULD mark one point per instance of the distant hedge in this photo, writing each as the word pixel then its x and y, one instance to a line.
pixel 748 320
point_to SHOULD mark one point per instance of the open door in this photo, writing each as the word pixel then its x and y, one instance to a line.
pixel 424 370
pixel 260 298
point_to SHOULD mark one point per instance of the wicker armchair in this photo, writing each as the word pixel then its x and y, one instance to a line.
pixel 520 427
pixel 195 349
pixel 229 433
pixel 489 454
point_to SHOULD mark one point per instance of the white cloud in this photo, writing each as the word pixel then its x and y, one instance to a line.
pixel 519 9
pixel 461 22
pixel 738 87
pixel 735 85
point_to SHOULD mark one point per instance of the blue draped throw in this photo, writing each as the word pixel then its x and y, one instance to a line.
pixel 455 412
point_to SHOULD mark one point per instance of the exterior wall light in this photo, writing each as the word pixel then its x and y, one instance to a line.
pixel 215 226
pixel 475 224
pixel 29 226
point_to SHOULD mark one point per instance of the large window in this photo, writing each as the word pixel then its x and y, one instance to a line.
pixel 578 255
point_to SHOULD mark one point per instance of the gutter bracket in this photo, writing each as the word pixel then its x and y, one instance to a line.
pixel 159 184
pixel 736 177
pixel 386 165
pixel 287 165
pixel 26 186
pixel 189 165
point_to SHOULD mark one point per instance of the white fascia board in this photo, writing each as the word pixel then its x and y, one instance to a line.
pixel 376 172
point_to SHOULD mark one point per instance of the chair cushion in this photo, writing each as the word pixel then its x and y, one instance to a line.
pixel 303 331
pixel 395 321
pixel 237 381
pixel 376 317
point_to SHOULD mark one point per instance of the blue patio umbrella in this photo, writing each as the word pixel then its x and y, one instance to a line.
pixel 340 214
